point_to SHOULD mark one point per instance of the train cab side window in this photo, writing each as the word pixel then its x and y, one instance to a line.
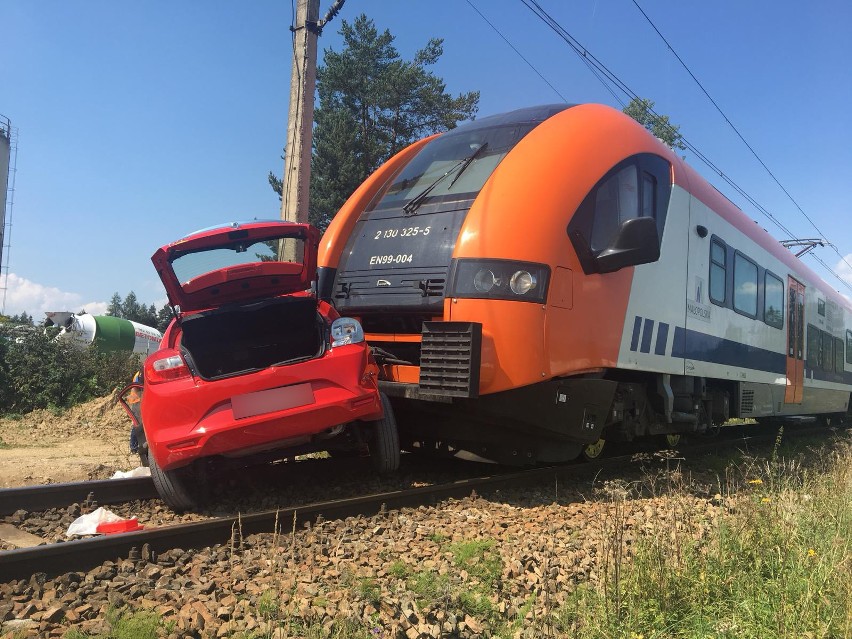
pixel 718 271
pixel 649 195
pixel 745 285
pixel 821 307
pixel 849 347
pixel 773 301
pixel 639 186
pixel 616 200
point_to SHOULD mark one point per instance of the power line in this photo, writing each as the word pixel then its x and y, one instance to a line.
pixel 737 131
pixel 604 75
pixel 520 55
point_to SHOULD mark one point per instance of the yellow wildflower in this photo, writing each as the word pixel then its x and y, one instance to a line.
pixel 755 482
pixel 811 552
pixel 765 500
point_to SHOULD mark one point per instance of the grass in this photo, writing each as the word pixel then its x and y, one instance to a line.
pixel 126 625
pixel 776 563
pixel 398 570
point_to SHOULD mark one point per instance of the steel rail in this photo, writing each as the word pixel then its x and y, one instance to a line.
pixel 39 497
pixel 104 491
pixel 84 554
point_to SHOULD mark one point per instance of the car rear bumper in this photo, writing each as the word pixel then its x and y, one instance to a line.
pixel 278 407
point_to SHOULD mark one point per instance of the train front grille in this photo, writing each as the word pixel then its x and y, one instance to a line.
pixel 449 358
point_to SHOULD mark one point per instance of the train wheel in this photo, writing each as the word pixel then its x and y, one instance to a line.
pixel 594 450
pixel 669 440
pixel 384 441
pixel 178 488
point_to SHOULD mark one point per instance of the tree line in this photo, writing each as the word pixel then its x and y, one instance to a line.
pixel 38 371
pixel 131 309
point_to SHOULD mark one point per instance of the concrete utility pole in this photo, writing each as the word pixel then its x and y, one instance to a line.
pixel 303 80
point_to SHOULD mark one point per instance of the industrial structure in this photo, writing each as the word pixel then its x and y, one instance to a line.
pixel 8 157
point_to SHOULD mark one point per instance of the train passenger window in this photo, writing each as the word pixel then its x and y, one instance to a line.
pixel 827 352
pixel 616 200
pixel 849 347
pixel 821 307
pixel 773 301
pixel 838 355
pixel 718 271
pixel 814 351
pixel 745 285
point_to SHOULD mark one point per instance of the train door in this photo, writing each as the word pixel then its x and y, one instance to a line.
pixel 795 341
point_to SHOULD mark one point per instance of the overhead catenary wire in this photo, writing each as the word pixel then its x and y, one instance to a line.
pixel 520 55
pixel 738 133
pixel 604 75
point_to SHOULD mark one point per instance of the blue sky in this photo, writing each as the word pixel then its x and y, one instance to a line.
pixel 140 122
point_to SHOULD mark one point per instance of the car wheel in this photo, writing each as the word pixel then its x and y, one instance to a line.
pixel 178 488
pixel 384 441
pixel 593 450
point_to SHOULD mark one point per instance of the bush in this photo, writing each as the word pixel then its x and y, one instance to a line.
pixel 37 371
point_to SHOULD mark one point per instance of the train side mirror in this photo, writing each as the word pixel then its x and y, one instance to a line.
pixel 637 242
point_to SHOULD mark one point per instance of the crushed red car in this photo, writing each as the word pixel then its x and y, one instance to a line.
pixel 254 366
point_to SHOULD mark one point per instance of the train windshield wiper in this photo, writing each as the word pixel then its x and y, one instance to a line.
pixel 415 202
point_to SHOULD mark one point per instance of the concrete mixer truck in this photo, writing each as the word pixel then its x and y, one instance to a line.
pixel 107 333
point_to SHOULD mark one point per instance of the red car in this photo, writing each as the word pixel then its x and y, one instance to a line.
pixel 254 365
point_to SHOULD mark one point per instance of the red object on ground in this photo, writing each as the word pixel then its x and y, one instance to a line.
pixel 123 525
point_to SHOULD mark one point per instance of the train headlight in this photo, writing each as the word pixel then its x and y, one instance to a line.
pixel 522 282
pixel 345 330
pixel 484 280
pixel 498 279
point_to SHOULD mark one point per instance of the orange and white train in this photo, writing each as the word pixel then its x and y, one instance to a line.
pixel 539 282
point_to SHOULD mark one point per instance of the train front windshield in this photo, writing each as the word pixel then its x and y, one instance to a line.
pixel 466 157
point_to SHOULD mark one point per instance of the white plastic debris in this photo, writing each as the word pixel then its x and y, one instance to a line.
pixel 141 471
pixel 88 524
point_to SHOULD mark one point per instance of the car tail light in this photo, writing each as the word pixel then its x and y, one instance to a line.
pixel 165 366
pixel 345 330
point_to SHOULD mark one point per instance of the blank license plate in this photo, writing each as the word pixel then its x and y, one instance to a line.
pixel 269 401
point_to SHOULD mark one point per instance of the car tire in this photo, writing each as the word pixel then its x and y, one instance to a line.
pixel 178 488
pixel 384 441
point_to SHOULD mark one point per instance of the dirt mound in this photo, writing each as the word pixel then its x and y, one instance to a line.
pixel 88 441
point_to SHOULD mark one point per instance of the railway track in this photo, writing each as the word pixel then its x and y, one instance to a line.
pixel 84 554
pixel 106 491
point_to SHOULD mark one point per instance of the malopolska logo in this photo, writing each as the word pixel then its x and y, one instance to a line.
pixel 697 309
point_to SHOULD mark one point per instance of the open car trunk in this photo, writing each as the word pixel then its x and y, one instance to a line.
pixel 243 338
